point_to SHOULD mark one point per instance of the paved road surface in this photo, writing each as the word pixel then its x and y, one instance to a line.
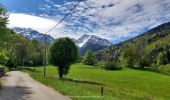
pixel 20 86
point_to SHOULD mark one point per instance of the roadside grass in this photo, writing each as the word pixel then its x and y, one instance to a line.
pixel 84 83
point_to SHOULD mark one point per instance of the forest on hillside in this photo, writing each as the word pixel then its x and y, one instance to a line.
pixel 150 49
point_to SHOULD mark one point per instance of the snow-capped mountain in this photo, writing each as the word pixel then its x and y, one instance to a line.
pixel 84 43
pixel 32 34
pixel 92 42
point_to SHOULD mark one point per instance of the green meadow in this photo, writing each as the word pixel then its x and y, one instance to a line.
pixel 84 83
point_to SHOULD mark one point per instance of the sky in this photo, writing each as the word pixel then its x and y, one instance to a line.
pixel 115 20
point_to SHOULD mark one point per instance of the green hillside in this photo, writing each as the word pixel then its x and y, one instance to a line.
pixel 147 45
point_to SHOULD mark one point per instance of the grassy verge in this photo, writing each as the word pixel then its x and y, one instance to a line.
pixel 84 83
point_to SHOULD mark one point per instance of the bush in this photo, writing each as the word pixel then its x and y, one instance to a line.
pixel 161 59
pixel 6 69
pixel 164 68
pixel 110 66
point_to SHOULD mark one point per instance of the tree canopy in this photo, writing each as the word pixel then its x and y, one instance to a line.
pixel 62 53
pixel 89 58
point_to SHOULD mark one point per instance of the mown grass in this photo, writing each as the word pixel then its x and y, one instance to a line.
pixel 126 84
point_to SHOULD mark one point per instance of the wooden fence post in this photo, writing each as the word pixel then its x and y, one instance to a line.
pixel 102 91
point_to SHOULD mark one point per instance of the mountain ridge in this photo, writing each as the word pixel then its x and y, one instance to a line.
pixel 84 43
pixel 32 34
pixel 92 42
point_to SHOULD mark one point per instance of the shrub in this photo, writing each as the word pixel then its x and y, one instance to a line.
pixel 161 59
pixel 6 69
pixel 164 68
pixel 110 66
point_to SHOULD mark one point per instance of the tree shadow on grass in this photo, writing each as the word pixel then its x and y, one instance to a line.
pixel 148 69
pixel 15 93
pixel 29 69
pixel 82 81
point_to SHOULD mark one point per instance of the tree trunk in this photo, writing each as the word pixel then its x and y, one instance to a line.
pixel 60 74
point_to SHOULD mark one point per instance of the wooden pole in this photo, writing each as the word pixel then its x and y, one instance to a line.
pixel 102 91
pixel 45 53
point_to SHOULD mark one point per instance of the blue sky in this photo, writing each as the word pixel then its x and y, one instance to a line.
pixel 115 20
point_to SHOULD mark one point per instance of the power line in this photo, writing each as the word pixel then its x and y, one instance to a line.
pixel 85 9
pixel 45 35
pixel 89 6
pixel 72 10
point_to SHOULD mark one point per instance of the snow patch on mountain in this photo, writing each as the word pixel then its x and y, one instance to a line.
pixel 32 34
pixel 83 40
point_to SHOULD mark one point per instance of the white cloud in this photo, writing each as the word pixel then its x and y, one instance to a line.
pixel 29 21
pixel 126 18
pixel 114 19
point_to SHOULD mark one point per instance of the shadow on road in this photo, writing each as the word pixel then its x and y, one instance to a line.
pixel 15 93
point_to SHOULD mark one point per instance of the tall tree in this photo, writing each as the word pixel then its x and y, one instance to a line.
pixel 4 31
pixel 4 17
pixel 35 53
pixel 62 53
pixel 127 58
pixel 89 58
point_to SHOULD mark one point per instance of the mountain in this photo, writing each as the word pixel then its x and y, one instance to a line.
pixel 152 42
pixel 92 42
pixel 32 34
pixel 84 43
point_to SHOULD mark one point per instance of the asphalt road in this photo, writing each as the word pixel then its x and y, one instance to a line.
pixel 20 86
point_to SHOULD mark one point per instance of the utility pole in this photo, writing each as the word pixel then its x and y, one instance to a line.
pixel 45 54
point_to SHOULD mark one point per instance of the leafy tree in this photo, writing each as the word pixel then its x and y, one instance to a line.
pixel 18 49
pixel 35 53
pixel 3 57
pixel 4 17
pixel 5 36
pixel 141 55
pixel 21 50
pixel 127 58
pixel 161 59
pixel 62 53
pixel 89 58
pixel 4 31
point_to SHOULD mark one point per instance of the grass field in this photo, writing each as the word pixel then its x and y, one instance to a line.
pixel 126 84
